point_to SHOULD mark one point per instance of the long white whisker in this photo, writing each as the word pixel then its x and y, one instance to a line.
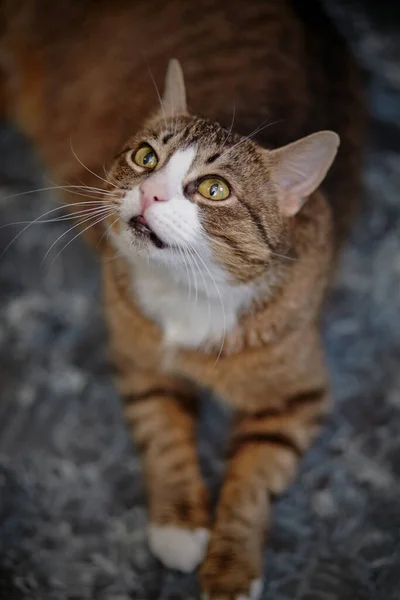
pixel 187 271
pixel 74 227
pixel 44 189
pixel 225 245
pixel 35 221
pixel 108 176
pixel 117 254
pixel 220 299
pixel 190 248
pixel 82 189
pixel 91 195
pixel 230 129
pixel 193 269
pixel 107 230
pixel 60 219
pixel 214 240
pixel 102 218
pixel 157 91
pixel 82 186
pixel 264 125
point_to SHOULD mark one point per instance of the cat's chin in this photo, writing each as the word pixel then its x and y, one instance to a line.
pixel 144 233
pixel 143 244
pixel 145 247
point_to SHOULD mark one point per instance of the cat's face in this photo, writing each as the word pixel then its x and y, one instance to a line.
pixel 192 187
pixel 188 187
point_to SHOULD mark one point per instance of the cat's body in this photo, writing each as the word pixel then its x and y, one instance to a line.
pixel 211 293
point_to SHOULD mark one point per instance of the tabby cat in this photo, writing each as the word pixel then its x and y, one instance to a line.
pixel 216 239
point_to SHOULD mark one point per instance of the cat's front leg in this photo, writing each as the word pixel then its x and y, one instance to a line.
pixel 265 449
pixel 161 414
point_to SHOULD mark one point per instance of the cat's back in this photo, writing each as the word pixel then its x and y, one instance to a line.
pixel 86 71
pixel 251 59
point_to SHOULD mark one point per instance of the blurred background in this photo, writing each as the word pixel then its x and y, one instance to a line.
pixel 72 506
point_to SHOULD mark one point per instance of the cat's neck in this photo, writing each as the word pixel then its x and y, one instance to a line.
pixel 194 304
pixel 207 311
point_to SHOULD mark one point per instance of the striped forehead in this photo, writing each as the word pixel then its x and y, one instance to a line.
pixel 218 149
pixel 210 137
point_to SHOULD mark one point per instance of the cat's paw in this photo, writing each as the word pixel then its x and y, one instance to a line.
pixel 253 594
pixel 230 571
pixel 178 548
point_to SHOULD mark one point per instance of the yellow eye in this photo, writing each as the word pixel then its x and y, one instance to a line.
pixel 214 189
pixel 146 157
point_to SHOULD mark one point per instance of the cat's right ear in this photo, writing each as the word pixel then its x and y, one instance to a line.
pixel 300 167
pixel 174 99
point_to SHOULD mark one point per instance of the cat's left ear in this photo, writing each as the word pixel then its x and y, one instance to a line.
pixel 299 168
pixel 174 99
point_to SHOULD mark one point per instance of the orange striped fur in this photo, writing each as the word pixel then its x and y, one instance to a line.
pixel 75 71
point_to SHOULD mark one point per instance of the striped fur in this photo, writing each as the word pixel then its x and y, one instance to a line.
pixel 75 71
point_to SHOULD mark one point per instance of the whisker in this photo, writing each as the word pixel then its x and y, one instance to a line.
pixel 87 168
pixel 213 240
pixel 102 218
pixel 203 278
pixel 108 176
pixel 230 129
pixel 263 126
pixel 116 256
pixel 157 90
pixel 105 195
pixel 220 299
pixel 70 229
pixel 88 190
pixel 59 219
pixel 67 185
pixel 26 193
pixel 52 188
pixel 292 258
pixel 187 271
pixel 35 221
pixel 107 230
pixel 192 268
pixel 91 196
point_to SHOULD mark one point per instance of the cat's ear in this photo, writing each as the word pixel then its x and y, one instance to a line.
pixel 300 167
pixel 174 99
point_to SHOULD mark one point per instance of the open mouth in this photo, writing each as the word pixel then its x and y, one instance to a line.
pixel 139 225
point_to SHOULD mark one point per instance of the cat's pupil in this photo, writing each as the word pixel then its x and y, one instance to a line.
pixel 214 189
pixel 148 158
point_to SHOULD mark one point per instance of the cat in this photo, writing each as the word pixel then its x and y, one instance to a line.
pixel 218 229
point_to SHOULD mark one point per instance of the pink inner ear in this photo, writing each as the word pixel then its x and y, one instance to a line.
pixel 301 168
pixel 297 174
pixel 291 204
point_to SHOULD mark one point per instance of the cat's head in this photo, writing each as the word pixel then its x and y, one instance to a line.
pixel 189 187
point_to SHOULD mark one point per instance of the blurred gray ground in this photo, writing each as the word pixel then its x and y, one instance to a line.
pixel 72 506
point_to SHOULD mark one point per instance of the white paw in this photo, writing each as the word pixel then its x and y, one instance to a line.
pixel 255 591
pixel 178 548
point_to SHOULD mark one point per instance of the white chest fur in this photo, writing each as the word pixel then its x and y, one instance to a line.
pixel 190 315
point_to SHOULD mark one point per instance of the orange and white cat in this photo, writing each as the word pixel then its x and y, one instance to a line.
pixel 216 248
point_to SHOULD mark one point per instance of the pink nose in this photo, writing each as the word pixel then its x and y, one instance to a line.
pixel 151 191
